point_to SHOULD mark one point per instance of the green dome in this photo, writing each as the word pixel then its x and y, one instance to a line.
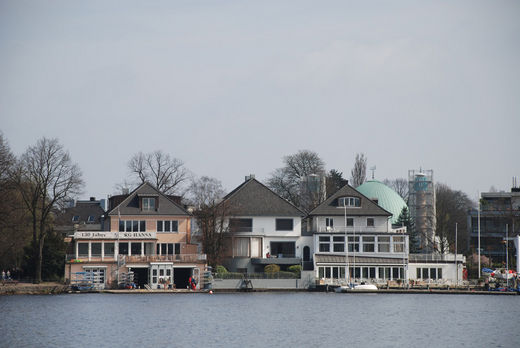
pixel 387 198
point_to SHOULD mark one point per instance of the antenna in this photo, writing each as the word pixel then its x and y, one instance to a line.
pixel 373 169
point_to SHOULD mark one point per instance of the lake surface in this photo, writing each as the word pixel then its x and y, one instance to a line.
pixel 259 320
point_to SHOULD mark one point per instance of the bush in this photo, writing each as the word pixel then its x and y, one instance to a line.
pixel 229 275
pixel 272 269
pixel 296 269
pixel 221 269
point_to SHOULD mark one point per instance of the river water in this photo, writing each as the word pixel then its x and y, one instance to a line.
pixel 259 320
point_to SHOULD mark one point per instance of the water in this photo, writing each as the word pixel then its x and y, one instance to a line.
pixel 259 320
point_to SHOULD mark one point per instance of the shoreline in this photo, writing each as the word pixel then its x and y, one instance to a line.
pixel 57 288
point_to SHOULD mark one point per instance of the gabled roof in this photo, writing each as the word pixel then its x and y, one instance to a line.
pixel 330 205
pixel 252 198
pixel 130 205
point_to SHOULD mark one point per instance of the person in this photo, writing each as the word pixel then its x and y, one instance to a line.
pixel 8 275
pixel 3 275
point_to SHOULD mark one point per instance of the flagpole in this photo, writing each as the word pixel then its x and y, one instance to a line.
pixel 478 224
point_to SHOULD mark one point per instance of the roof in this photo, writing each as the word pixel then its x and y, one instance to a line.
pixel 330 206
pixel 82 209
pixel 387 198
pixel 130 205
pixel 252 198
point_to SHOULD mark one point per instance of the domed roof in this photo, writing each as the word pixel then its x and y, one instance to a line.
pixel 387 198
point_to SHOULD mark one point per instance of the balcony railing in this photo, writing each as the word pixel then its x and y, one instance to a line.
pixel 255 230
pixel 435 258
pixel 139 258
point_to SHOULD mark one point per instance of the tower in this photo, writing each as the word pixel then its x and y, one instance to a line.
pixel 422 207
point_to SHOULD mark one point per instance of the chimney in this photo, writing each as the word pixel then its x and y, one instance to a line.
pixel 92 199
pixel 249 177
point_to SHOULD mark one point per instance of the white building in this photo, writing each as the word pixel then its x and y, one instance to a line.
pixel 263 229
pixel 375 252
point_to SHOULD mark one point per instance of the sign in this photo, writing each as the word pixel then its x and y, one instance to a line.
pixel 114 235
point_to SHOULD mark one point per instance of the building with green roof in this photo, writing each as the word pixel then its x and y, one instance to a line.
pixel 387 198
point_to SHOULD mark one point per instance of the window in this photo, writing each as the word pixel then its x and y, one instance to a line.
pixel 109 249
pixel 241 225
pixel 418 273
pixel 148 249
pixel 350 222
pixel 368 244
pixel 75 218
pixel 324 243
pixel 398 244
pixel 370 222
pixel 167 226
pixel 123 248
pixel 95 249
pixel 90 219
pixel 163 248
pixel 241 247
pixel 353 244
pixel 148 203
pixel 433 273
pixel 283 249
pixel 284 224
pixel 439 273
pixel 383 244
pixel 136 248
pixel 256 247
pixel 425 273
pixel 83 249
pixel 329 222
pixel 132 226
pixel 349 202
pixel 338 244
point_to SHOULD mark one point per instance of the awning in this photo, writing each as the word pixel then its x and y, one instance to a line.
pixel 359 260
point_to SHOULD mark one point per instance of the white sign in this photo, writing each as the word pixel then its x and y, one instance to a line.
pixel 114 235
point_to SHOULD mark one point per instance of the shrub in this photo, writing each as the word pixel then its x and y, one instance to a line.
pixel 221 269
pixel 272 269
pixel 296 269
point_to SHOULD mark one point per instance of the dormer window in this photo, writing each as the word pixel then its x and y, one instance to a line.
pixel 90 219
pixel 75 218
pixel 349 202
pixel 148 203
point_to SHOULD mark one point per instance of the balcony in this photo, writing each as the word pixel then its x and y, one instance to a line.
pixel 285 260
pixel 140 259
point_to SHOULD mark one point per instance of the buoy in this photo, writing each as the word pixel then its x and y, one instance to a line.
pixel 211 292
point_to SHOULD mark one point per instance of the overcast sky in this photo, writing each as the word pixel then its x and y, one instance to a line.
pixel 230 87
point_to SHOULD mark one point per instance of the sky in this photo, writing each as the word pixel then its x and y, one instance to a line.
pixel 231 87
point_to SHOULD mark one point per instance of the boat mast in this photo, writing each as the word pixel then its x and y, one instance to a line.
pixel 347 271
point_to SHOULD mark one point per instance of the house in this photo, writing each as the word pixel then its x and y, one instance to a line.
pixel 81 215
pixel 499 220
pixel 146 241
pixel 263 229
pixel 354 240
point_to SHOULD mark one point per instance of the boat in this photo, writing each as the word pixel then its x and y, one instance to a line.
pixel 503 274
pixel 356 287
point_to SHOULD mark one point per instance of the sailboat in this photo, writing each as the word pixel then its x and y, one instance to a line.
pixel 350 286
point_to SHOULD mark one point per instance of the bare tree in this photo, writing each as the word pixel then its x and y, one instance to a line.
pixel 287 181
pixel 205 195
pixel 451 207
pixel 399 185
pixel 359 172
pixel 45 177
pixel 165 172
